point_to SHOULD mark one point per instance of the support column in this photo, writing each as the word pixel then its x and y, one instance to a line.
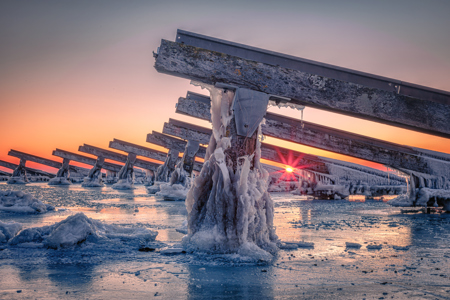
pixel 111 177
pixel 63 174
pixel 229 208
pixel 94 178
pixel 126 174
pixel 183 170
pixel 163 172
pixel 19 176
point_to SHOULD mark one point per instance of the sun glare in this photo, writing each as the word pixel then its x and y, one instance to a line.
pixel 289 169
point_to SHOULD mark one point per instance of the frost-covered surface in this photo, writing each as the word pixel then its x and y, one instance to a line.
pixel 174 192
pixel 412 262
pixel 401 201
pixel 93 182
pixel 77 229
pixel 230 210
pixel 17 180
pixel 20 202
pixel 153 189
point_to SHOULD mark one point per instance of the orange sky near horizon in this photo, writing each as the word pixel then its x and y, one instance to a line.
pixel 73 75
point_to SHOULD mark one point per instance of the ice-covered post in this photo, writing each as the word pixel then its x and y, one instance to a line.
pixel 20 174
pixel 184 168
pixel 126 174
pixel 163 172
pixel 94 178
pixel 63 174
pixel 229 208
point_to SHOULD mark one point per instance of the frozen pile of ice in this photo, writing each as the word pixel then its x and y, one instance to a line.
pixel 59 181
pixel 20 202
pixel 8 230
pixel 78 229
pixel 123 184
pixel 174 192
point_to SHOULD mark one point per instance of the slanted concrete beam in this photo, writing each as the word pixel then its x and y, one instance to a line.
pixel 137 149
pixel 85 160
pixel 170 142
pixel 117 157
pixel 305 88
pixel 334 140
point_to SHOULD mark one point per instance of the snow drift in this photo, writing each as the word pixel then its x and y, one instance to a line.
pixel 19 202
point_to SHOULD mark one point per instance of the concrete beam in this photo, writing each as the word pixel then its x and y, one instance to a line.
pixel 44 161
pixel 170 142
pixel 137 149
pixel 334 140
pixel 85 160
pixel 307 88
pixel 117 157
pixel 30 171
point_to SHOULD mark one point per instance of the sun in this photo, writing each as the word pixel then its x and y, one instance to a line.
pixel 289 169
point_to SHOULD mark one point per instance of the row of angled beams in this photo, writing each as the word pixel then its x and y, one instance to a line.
pixel 334 140
pixel 326 87
pixel 85 160
pixel 44 161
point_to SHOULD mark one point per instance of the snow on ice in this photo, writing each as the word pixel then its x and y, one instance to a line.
pixel 20 202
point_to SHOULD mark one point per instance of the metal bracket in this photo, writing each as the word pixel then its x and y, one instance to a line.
pixel 249 109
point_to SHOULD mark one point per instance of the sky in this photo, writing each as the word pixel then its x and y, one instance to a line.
pixel 75 72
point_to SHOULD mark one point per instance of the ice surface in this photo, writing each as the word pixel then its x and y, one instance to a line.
pixel 8 230
pixel 17 180
pixel 77 229
pixel 19 202
pixel 230 210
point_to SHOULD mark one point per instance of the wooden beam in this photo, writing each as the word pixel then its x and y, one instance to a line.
pixel 137 149
pixel 85 160
pixel 340 96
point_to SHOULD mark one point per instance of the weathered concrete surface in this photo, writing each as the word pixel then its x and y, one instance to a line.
pixel 137 149
pixel 117 157
pixel 85 160
pixel 305 88
pixel 334 140
pixel 274 153
pixel 45 161
pixel 171 143
pixel 30 171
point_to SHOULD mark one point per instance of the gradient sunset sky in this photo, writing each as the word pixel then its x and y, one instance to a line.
pixel 74 72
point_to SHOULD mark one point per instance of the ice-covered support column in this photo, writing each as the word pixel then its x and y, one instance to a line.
pixel 94 178
pixel 126 174
pixel 111 177
pixel 229 208
pixel 63 174
pixel 19 176
pixel 183 170
pixel 164 171
pixel 149 178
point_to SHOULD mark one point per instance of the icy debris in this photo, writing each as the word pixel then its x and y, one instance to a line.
pixel 400 248
pixel 288 246
pixel 153 189
pixel 19 202
pixel 183 229
pixel 17 180
pixel 352 245
pixel 123 184
pixel 77 229
pixel 402 201
pixel 175 249
pixel 59 181
pixel 374 247
pixel 305 244
pixel 8 230
pixel 439 196
pixel 175 192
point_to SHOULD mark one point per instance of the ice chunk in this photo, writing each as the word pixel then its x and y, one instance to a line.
pixel 400 248
pixel 352 245
pixel 77 229
pixel 183 229
pixel 175 249
pixel 175 192
pixel 8 230
pixel 374 247
pixel 123 184
pixel 402 200
pixel 59 181
pixel 305 244
pixel 19 202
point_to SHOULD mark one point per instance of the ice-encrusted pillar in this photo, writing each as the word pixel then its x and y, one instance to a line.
pixel 126 174
pixel 94 178
pixel 184 168
pixel 111 176
pixel 19 176
pixel 229 208
pixel 164 171
pixel 63 174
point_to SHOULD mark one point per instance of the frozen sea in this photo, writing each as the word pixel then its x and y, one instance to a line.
pixel 401 256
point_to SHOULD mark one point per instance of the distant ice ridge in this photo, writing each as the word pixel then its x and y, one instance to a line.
pixel 230 211
pixel 78 229
pixel 20 202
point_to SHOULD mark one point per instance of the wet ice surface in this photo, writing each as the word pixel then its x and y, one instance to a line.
pixel 399 256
